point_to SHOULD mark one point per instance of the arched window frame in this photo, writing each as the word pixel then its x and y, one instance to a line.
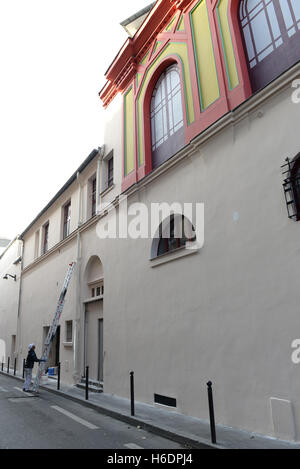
pixel 167 62
pixel 166 103
pixel 187 238
pixel 244 90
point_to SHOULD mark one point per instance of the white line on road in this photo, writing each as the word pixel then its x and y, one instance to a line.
pixel 74 417
pixel 132 446
pixel 3 390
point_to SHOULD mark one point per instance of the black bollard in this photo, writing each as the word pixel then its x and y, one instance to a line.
pixel 2 364
pixel 132 392
pixel 15 367
pixel 58 377
pixel 23 374
pixel 87 383
pixel 211 413
pixel 8 360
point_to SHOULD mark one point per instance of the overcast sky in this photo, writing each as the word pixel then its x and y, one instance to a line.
pixel 53 57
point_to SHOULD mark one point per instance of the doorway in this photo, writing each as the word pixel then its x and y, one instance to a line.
pixel 53 359
pixel 94 340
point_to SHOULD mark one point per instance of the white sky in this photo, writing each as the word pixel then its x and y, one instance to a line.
pixel 53 57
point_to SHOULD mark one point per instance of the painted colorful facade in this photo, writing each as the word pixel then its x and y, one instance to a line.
pixel 202 105
pixel 225 50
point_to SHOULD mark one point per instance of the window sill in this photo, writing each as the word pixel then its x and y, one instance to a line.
pixel 107 190
pixel 68 344
pixel 93 298
pixel 191 248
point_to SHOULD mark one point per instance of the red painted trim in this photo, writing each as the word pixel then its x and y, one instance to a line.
pixel 228 100
pixel 166 62
pixel 243 91
pixel 131 178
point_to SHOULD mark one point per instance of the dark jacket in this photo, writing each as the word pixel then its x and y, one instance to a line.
pixel 31 359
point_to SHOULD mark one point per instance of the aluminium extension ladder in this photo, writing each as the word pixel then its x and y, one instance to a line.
pixel 53 329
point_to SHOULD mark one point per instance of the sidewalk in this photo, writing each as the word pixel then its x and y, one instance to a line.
pixel 189 431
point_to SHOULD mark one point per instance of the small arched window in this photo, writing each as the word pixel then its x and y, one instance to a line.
pixel 167 120
pixel 271 31
pixel 173 233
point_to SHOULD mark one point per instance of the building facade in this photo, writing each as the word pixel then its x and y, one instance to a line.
pixel 202 106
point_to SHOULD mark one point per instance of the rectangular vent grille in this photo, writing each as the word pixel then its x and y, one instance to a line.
pixel 165 400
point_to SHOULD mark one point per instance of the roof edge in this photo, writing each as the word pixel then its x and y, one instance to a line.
pixel 70 181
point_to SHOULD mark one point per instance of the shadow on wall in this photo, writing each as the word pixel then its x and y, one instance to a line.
pixel 2 351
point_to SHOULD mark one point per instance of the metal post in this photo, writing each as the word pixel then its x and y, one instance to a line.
pixel 2 364
pixel 58 377
pixel 132 392
pixel 15 367
pixel 23 374
pixel 87 383
pixel 211 413
pixel 8 360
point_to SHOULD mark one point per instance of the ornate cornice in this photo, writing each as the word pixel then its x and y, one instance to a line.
pixel 122 70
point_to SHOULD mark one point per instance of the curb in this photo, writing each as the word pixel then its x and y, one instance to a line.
pixel 199 443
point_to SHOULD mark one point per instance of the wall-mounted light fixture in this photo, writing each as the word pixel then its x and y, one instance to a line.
pixel 8 275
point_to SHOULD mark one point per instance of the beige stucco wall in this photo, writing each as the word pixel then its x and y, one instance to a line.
pixel 9 294
pixel 227 313
pixel 230 312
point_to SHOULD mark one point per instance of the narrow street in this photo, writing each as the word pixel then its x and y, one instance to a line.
pixel 49 422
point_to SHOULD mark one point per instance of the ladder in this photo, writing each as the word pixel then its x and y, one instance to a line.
pixel 53 329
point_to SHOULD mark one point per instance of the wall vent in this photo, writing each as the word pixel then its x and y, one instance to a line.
pixel 165 400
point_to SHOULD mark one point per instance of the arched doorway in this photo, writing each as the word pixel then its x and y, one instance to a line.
pixel 94 320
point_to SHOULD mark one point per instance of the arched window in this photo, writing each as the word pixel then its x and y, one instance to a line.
pixel 167 121
pixel 271 30
pixel 174 233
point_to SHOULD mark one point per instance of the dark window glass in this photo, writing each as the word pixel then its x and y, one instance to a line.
pixel 94 185
pixel 167 121
pixel 271 31
pixel 110 172
pixel 174 238
pixel 67 219
pixel 69 331
pixel 46 237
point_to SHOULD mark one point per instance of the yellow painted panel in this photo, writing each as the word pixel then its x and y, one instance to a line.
pixel 138 79
pixel 143 62
pixel 128 132
pixel 232 74
pixel 170 25
pixel 180 26
pixel 207 72
pixel 180 50
pixel 157 45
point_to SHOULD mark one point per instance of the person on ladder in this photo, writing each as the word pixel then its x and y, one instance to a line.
pixel 29 364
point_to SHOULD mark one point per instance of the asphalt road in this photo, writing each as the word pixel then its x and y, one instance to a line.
pixel 53 422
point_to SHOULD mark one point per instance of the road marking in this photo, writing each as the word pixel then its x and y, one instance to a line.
pixel 132 446
pixel 74 417
pixel 3 390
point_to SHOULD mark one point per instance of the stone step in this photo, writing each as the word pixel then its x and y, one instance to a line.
pixel 94 386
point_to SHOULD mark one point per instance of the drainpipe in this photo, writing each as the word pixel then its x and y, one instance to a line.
pixel 76 374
